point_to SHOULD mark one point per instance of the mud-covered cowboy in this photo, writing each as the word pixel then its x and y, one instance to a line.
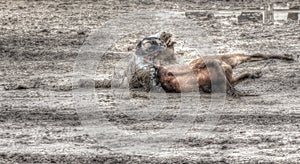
pixel 155 50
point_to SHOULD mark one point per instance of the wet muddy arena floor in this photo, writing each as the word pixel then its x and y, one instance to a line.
pixel 46 47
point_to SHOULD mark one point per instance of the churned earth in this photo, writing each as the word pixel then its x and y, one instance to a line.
pixel 63 72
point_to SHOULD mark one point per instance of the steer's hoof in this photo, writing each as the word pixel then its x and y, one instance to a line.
pixel 288 57
pixel 256 75
pixel 238 94
pixel 233 92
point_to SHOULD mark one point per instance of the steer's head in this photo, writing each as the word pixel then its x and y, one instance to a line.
pixel 167 79
pixel 177 78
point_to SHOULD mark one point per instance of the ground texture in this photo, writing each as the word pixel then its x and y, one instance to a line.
pixel 42 120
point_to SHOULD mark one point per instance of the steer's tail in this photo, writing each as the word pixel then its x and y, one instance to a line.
pixel 236 59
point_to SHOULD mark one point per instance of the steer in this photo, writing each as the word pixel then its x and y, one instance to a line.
pixel 207 71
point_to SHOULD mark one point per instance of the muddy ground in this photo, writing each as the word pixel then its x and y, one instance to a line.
pixel 44 118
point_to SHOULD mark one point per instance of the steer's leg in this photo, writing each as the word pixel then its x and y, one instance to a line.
pixel 238 79
pixel 231 91
pixel 235 59
pixel 259 57
pixel 235 80
pixel 231 81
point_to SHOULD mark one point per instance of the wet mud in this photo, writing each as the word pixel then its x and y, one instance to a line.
pixel 41 120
